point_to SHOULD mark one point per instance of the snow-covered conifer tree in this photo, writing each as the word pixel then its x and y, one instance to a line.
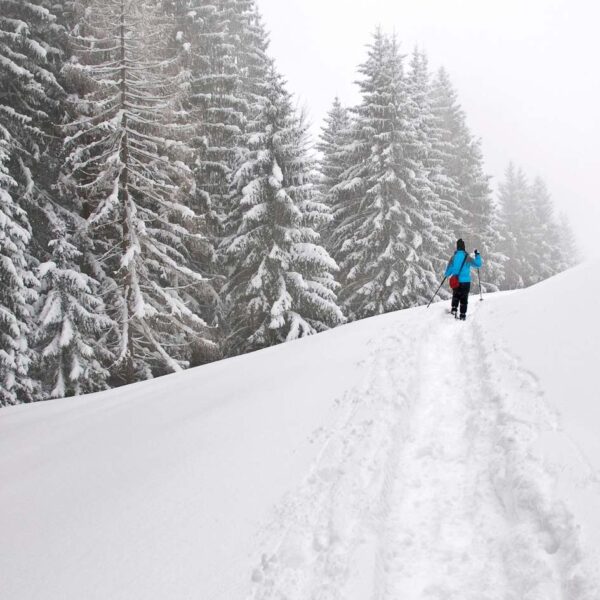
pixel 388 209
pixel 282 284
pixel 215 102
pixel 335 136
pixel 251 51
pixel 517 219
pixel 29 94
pixel 71 326
pixel 225 53
pixel 570 254
pixel 443 188
pixel 546 253
pixel 536 244
pixel 29 91
pixel 128 165
pixel 476 218
pixel 16 291
pixel 554 245
pixel 228 66
pixel 250 46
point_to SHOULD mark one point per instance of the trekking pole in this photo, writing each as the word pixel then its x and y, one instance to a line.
pixel 480 292
pixel 436 292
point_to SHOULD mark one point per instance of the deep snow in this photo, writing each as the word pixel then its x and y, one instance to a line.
pixel 406 456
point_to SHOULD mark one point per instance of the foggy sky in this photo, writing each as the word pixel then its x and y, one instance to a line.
pixel 526 71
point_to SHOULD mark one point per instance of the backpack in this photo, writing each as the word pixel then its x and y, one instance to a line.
pixel 454 281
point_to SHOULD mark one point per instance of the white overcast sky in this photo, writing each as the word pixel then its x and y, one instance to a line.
pixel 527 73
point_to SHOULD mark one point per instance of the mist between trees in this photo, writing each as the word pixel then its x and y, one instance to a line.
pixel 162 205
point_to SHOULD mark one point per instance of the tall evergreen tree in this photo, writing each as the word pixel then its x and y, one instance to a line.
pixel 29 100
pixel 338 145
pixel 215 103
pixel 71 326
pixel 476 217
pixel 335 136
pixel 546 253
pixel 36 99
pixel 16 291
pixel 333 145
pixel 281 287
pixel 386 231
pixel 537 245
pixel 570 254
pixel 253 68
pixel 443 194
pixel 517 219
pixel 225 53
pixel 128 165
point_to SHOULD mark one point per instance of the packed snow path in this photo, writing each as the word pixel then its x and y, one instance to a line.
pixel 430 487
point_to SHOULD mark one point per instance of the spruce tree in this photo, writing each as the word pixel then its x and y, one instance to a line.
pixel 536 244
pixel 225 55
pixel 555 248
pixel 335 136
pixel 253 68
pixel 517 219
pixel 476 216
pixel 544 237
pixel 569 253
pixel 16 291
pixel 281 286
pixel 128 165
pixel 214 102
pixel 71 326
pixel 29 101
pixel 386 233
pixel 443 189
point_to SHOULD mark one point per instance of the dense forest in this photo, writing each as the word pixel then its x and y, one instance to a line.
pixel 162 203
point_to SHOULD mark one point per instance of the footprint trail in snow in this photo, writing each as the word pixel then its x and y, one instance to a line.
pixel 429 487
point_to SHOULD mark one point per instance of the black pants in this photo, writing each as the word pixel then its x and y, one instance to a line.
pixel 461 296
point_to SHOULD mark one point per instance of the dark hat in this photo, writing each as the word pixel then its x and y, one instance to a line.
pixel 460 244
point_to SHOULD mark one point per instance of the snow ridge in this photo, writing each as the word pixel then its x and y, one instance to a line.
pixel 430 487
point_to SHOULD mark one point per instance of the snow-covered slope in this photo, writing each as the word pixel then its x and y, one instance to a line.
pixel 406 456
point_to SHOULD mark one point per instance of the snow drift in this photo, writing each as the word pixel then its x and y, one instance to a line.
pixel 408 455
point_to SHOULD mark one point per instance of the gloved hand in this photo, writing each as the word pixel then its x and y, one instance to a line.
pixel 476 252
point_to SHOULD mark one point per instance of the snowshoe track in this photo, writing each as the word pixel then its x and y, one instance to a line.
pixel 429 488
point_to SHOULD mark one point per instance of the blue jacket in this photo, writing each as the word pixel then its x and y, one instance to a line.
pixel 465 273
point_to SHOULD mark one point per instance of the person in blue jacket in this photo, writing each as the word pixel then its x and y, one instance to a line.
pixel 461 264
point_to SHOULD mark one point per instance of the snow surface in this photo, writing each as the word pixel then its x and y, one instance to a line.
pixel 405 456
